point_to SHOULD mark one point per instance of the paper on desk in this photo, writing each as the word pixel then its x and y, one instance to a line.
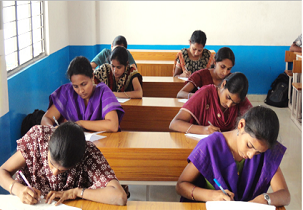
pixel 93 136
pixel 184 100
pixel 122 100
pixel 237 205
pixel 196 136
pixel 12 202
pixel 183 78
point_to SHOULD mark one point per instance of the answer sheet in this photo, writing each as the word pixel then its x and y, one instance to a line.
pixel 12 202
pixel 237 205
pixel 93 136
pixel 196 136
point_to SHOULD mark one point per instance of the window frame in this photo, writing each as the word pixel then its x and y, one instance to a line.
pixel 34 59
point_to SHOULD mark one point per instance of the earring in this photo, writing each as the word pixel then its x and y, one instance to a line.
pixel 238 133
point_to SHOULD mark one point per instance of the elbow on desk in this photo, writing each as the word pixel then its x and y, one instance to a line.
pixel 120 199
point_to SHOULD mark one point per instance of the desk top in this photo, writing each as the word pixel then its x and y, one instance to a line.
pixel 153 62
pixel 151 140
pixel 162 79
pixel 142 205
pixel 152 101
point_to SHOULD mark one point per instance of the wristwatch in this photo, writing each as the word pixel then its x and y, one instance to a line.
pixel 267 198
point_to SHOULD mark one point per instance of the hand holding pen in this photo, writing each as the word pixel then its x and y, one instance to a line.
pixel 29 195
pixel 213 128
pixel 226 193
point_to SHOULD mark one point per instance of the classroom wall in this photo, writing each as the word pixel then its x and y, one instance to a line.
pixel 258 32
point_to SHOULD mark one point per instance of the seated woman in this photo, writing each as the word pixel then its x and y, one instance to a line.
pixel 104 55
pixel 193 59
pixel 93 107
pixel 214 108
pixel 245 161
pixel 124 80
pixel 59 163
pixel 224 61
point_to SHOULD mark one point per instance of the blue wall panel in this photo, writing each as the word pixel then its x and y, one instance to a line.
pixel 29 89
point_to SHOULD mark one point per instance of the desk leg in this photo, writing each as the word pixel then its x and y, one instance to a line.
pixel 147 192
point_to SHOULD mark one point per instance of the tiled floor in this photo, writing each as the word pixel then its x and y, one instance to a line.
pixel 290 136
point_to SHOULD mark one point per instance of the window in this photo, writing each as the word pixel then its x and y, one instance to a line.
pixel 23 27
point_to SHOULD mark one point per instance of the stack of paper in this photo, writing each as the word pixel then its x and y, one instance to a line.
pixel 93 136
pixel 196 136
pixel 12 202
pixel 237 205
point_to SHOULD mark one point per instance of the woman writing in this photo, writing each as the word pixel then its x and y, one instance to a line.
pixel 245 161
pixel 59 163
pixel 93 107
pixel 124 80
pixel 214 108
pixel 224 61
pixel 193 59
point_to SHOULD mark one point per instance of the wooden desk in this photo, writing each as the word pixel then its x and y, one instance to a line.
pixel 140 205
pixel 155 68
pixel 149 114
pixel 156 62
pixel 146 156
pixel 167 87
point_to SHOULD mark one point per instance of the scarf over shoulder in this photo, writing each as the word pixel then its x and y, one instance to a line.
pixel 213 158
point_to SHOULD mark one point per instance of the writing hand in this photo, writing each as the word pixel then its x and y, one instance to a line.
pixel 218 195
pixel 211 129
pixel 28 196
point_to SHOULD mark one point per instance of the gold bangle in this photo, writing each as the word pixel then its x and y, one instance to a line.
pixel 126 94
pixel 192 194
pixel 189 128
pixel 82 193
pixel 11 187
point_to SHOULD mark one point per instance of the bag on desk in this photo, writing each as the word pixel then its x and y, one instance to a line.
pixel 278 94
pixel 30 120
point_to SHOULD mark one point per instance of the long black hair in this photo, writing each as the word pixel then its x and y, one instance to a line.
pixel 67 144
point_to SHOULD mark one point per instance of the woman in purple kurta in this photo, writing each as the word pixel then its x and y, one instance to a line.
pixel 245 161
pixel 94 107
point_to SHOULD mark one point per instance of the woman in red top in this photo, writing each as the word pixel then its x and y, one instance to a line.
pixel 59 163
pixel 214 108
pixel 224 61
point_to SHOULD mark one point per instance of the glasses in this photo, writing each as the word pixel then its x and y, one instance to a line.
pixel 60 171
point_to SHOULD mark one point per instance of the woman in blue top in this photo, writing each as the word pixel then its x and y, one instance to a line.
pixel 104 55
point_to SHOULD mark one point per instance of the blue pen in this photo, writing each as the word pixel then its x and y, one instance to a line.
pixel 219 185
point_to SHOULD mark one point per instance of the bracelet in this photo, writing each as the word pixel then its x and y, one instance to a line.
pixel 192 194
pixel 82 193
pixel 189 128
pixel 11 187
pixel 126 94
pixel 188 96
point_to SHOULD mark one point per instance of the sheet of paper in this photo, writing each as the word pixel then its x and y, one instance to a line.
pixel 183 100
pixel 12 202
pixel 122 100
pixel 183 78
pixel 237 205
pixel 93 136
pixel 196 136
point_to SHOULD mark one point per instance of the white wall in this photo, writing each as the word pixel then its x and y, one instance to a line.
pixel 275 23
pixel 82 22
pixel 57 26
pixel 3 77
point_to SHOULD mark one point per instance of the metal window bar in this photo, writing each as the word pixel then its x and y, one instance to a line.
pixel 41 14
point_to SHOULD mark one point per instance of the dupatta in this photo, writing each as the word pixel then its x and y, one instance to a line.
pixel 104 74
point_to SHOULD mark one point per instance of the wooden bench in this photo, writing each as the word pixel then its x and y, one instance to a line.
pixel 149 113
pixel 156 62
pixel 296 108
pixel 158 86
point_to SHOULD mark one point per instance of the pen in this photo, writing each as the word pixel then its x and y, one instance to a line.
pixel 23 177
pixel 55 120
pixel 213 125
pixel 219 185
